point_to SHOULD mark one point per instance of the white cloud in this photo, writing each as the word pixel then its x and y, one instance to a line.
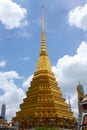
pixel 9 75
pixel 78 17
pixel 27 59
pixel 70 70
pixel 2 64
pixel 12 15
pixel 12 94
pixel 26 83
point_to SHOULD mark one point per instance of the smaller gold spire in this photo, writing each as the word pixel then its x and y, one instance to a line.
pixel 43 41
pixel 69 103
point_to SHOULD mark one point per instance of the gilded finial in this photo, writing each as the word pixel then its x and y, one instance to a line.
pixel 43 62
pixel 43 41
pixel 42 5
pixel 42 18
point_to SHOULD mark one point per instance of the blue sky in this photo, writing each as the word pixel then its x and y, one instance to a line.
pixel 20 38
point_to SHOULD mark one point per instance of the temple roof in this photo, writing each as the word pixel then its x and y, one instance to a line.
pixel 84 119
pixel 84 101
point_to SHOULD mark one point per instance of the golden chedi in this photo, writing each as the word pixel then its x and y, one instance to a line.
pixel 44 104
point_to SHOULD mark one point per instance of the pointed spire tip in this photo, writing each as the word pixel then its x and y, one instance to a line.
pixel 42 6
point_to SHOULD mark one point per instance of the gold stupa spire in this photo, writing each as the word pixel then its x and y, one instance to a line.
pixel 43 62
pixel 43 41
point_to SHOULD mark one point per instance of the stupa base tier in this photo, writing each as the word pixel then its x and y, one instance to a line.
pixel 59 122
